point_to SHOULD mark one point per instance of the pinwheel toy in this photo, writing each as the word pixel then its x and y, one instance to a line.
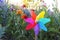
pixel 36 22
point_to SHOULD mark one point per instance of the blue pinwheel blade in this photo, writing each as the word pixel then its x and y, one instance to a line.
pixel 44 20
pixel 42 26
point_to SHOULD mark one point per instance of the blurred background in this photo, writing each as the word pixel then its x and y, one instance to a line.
pixel 12 27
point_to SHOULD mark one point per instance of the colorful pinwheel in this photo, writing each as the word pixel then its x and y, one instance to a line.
pixel 36 22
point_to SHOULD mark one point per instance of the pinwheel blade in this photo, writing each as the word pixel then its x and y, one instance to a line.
pixel 30 26
pixel 36 30
pixel 42 26
pixel 29 20
pixel 44 20
pixel 41 15
pixel 33 15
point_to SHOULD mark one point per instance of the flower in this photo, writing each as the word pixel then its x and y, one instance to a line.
pixel 50 12
pixel 36 22
pixel 12 8
pixel 1 0
pixel 23 16
pixel 25 10
pixel 2 3
pixel 19 12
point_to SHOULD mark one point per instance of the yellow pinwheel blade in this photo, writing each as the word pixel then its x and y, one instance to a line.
pixel 41 15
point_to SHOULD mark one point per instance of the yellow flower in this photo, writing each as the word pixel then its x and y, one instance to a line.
pixel 25 2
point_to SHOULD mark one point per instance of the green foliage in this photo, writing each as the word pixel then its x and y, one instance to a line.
pixel 15 28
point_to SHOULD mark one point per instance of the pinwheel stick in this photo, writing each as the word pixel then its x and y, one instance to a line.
pixel 36 37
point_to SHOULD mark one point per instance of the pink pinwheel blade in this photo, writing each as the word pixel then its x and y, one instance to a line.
pixel 36 30
pixel 29 20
